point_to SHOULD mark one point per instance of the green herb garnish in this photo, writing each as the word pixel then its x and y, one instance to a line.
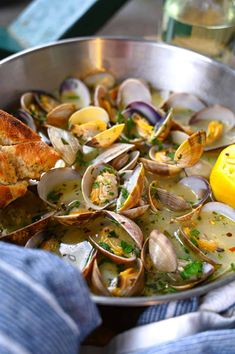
pixel 95 185
pixel 120 118
pixel 126 247
pixel 53 196
pixel 194 233
pixel 80 159
pixel 129 126
pixel 171 155
pixel 72 205
pixel 124 192
pixel 191 270
pixel 112 234
pixel 105 246
pixel 232 267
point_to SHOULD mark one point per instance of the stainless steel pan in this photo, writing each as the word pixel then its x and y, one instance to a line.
pixel 164 66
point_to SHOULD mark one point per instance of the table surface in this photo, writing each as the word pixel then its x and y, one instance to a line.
pixel 136 18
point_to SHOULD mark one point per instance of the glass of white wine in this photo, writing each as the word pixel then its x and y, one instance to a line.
pixel 205 26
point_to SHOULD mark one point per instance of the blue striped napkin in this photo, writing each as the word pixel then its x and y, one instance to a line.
pixel 45 306
pixel 197 325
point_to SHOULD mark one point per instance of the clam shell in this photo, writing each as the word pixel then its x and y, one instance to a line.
pixel 135 285
pixel 191 150
pixel 208 270
pixel 89 114
pixel 53 178
pixel 21 236
pixel 75 91
pixel 184 101
pixel 161 252
pixel 197 250
pixel 215 112
pixel 172 201
pixel 132 90
pixel 45 100
pixel 160 169
pixel 136 212
pixel 178 137
pixel 107 137
pixel 87 181
pixel 133 231
pixel 26 118
pixel 60 115
pixel 134 187
pixel 112 152
pixel 201 168
pixel 64 143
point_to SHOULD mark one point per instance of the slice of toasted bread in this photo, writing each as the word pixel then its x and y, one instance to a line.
pixel 31 159
pixel 7 171
pixel 12 192
pixel 13 131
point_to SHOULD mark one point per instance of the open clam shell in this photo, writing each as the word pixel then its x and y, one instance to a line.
pixel 45 100
pixel 178 282
pixel 132 189
pixel 75 91
pixel 21 236
pixel 81 254
pixel 116 248
pixel 29 104
pixel 26 118
pixel 199 186
pixel 136 212
pixel 132 90
pixel 184 101
pixel 160 168
pixel 191 150
pixel 112 152
pixel 172 201
pixel 103 99
pixel 89 114
pixel 102 191
pixel 64 143
pixel 58 177
pixel 60 115
pixel 107 137
pixel 127 282
pixel 158 253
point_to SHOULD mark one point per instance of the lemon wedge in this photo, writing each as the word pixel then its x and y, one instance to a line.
pixel 222 178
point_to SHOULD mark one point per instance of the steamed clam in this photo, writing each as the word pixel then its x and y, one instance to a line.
pixel 129 202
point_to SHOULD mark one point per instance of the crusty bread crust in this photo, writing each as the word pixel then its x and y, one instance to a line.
pixel 13 131
pixel 30 160
pixel 7 171
pixel 22 156
pixel 12 192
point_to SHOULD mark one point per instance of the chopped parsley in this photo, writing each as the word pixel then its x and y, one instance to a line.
pixel 64 141
pixel 112 234
pixel 191 270
pixel 126 247
pixel 53 196
pixel 72 205
pixel 72 97
pixel 129 126
pixel 171 155
pixel 95 185
pixel 232 267
pixel 108 169
pixel 157 142
pixel 120 118
pixel 105 246
pixel 80 159
pixel 194 233
pixel 125 193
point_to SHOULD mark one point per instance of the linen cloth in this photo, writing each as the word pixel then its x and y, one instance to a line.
pixel 45 306
pixel 198 325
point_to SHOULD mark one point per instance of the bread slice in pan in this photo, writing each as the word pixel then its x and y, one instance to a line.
pixel 13 131
pixel 31 159
pixel 23 156
pixel 12 192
